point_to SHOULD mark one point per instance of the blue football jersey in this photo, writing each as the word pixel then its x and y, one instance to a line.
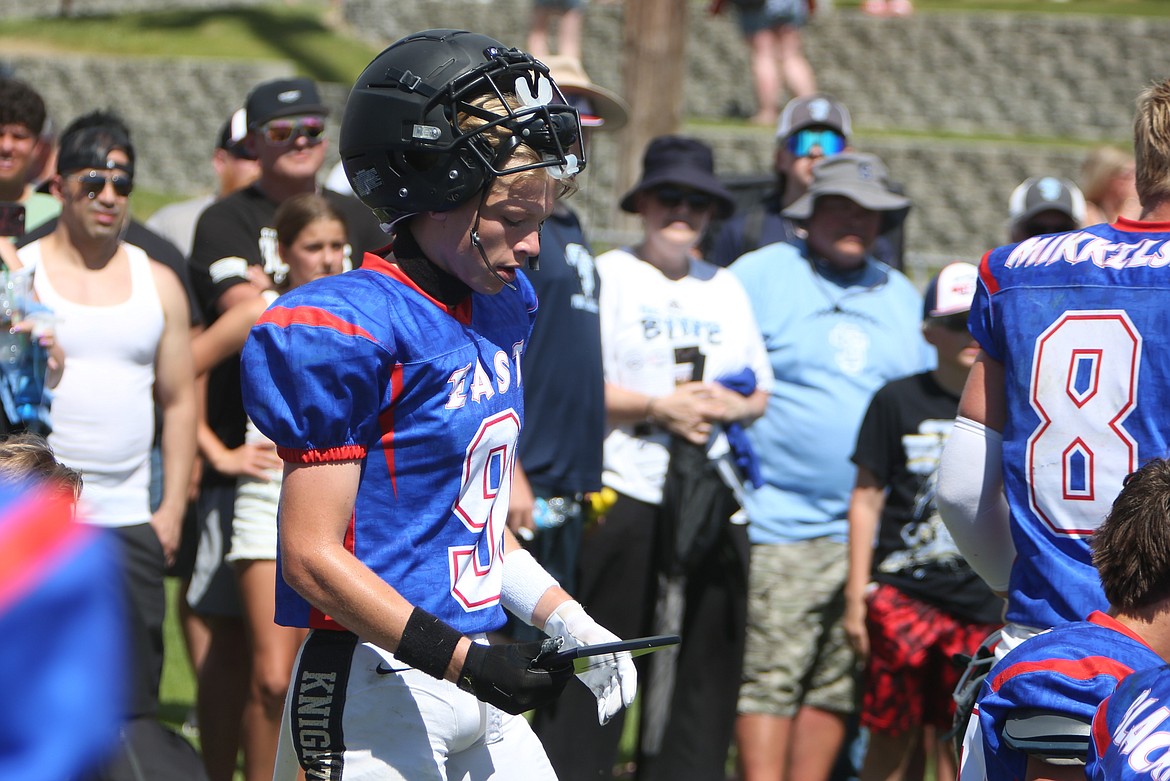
pixel 1079 322
pixel 1068 670
pixel 65 648
pixel 1131 731
pixel 365 365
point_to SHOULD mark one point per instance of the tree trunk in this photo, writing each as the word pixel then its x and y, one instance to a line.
pixel 655 34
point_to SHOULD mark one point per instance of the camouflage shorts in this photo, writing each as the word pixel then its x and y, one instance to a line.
pixel 797 653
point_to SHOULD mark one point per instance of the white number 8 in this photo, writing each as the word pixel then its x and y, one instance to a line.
pixel 1084 385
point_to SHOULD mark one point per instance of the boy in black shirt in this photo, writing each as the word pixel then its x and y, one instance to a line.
pixel 911 601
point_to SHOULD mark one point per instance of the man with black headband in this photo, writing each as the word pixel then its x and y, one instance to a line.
pixel 122 323
pixel 395 396
pixel 233 258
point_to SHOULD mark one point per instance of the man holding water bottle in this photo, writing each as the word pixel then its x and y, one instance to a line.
pixel 122 324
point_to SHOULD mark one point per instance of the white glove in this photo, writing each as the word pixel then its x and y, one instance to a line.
pixel 611 677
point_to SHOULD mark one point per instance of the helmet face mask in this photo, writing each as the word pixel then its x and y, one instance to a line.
pixel 402 144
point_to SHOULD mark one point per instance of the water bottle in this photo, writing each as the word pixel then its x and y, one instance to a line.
pixel 548 513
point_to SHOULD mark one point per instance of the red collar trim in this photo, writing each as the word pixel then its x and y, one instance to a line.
pixel 1138 226
pixel 381 265
pixel 1109 622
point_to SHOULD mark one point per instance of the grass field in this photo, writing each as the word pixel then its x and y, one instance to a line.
pixel 178 680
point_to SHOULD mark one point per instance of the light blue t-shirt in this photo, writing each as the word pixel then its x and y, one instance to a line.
pixel 833 340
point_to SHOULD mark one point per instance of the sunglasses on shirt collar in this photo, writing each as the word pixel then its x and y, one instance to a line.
pixel 802 142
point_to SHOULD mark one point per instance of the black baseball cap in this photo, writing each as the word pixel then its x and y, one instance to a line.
pixel 282 98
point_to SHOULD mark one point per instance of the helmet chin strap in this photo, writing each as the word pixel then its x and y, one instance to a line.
pixel 474 236
pixel 533 260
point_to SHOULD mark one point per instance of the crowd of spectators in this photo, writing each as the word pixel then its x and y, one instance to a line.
pixel 764 401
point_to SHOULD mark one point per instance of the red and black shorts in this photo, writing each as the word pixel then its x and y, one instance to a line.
pixel 909 676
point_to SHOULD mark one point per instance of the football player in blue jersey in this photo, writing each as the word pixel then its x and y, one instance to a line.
pixel 394 394
pixel 1131 731
pixel 1034 711
pixel 1066 397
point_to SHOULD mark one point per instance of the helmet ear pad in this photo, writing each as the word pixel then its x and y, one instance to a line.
pixel 438 182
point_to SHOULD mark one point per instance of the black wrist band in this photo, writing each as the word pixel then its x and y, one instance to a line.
pixel 427 643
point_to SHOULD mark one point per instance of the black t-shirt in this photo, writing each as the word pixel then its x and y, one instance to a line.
pixel 564 393
pixel 900 441
pixel 236 232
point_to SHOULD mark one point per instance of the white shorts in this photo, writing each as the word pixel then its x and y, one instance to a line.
pixel 355 712
pixel 254 518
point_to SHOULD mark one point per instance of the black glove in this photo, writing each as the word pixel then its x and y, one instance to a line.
pixel 500 675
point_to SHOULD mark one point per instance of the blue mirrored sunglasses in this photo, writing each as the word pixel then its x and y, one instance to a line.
pixel 802 142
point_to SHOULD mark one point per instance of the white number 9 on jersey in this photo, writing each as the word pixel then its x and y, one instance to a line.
pixel 482 506
pixel 1083 386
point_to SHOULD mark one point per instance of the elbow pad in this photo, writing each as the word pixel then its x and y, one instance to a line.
pixel 1055 738
pixel 971 503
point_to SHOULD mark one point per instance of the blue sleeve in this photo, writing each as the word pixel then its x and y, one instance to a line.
pixel 315 380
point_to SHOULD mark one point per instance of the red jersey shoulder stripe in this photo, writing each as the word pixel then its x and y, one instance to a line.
pixel 36 531
pixel 461 311
pixel 985 274
pixel 1075 669
pixel 312 316
pixel 1137 226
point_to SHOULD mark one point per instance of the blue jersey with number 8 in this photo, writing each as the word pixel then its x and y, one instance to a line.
pixel 1081 325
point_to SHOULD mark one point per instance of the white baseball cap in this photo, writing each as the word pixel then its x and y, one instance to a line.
pixel 951 291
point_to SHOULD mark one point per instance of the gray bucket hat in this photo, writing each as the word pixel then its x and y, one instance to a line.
pixel 862 178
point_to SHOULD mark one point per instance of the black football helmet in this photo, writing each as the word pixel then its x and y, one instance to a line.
pixel 400 144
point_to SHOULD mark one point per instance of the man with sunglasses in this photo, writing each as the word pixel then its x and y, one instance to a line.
pixel 233 257
pixel 810 129
pixel 911 602
pixel 122 322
